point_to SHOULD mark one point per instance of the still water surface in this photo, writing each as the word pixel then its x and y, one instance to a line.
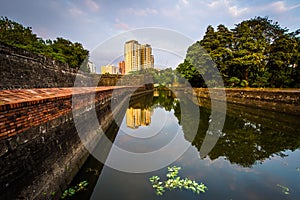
pixel 256 156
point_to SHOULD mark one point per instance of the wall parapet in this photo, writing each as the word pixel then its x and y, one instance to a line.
pixel 21 69
pixel 279 100
pixel 23 109
pixel 40 149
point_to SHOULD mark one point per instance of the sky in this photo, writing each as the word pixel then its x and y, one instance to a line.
pixel 94 22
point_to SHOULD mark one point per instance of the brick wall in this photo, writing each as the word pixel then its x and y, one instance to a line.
pixel 40 150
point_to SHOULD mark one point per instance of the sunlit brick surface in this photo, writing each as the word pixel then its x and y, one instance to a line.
pixel 26 108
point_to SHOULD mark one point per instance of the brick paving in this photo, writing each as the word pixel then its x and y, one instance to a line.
pixel 22 109
pixel 25 95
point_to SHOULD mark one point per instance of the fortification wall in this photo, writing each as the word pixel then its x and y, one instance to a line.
pixel 279 100
pixel 21 69
pixel 40 149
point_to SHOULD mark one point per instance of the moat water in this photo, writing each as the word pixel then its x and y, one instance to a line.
pixel 257 155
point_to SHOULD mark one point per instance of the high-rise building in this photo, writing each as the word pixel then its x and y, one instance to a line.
pixel 136 117
pixel 146 56
pixel 122 67
pixel 145 117
pixel 137 56
pixel 109 69
pixel 132 56
pixel 91 67
pixel 152 61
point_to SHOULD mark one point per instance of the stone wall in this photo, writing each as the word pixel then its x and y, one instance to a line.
pixel 40 150
pixel 279 100
pixel 23 69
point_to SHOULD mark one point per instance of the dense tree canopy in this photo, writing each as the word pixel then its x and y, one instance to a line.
pixel 15 34
pixel 162 77
pixel 255 53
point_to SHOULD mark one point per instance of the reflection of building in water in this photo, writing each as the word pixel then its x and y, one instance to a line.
pixel 156 93
pixel 136 117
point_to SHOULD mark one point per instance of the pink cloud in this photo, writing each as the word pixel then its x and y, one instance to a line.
pixel 92 5
pixel 75 11
pixel 280 6
pixel 142 12
pixel 121 25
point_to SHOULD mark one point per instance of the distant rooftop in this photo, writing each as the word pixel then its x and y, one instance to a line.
pixel 130 41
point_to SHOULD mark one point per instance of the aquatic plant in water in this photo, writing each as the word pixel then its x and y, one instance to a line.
pixel 73 190
pixel 175 182
pixel 285 189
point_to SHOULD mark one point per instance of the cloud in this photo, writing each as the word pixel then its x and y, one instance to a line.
pixel 121 25
pixel 92 5
pixel 80 9
pixel 175 12
pixel 235 11
pixel 185 2
pixel 280 7
pixel 75 11
pixel 182 4
pixel 209 11
pixel 190 17
pixel 229 6
pixel 142 12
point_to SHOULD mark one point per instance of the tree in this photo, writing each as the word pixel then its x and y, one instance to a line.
pixel 252 45
pixel 219 46
pixel 256 53
pixel 15 34
pixel 296 68
pixel 66 51
pixel 282 61
pixel 209 41
pixel 201 68
pixel 188 72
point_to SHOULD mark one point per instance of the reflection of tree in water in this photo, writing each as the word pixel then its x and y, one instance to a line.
pixel 161 98
pixel 246 145
pixel 142 101
pixel 242 142
pixel 140 109
pixel 165 99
